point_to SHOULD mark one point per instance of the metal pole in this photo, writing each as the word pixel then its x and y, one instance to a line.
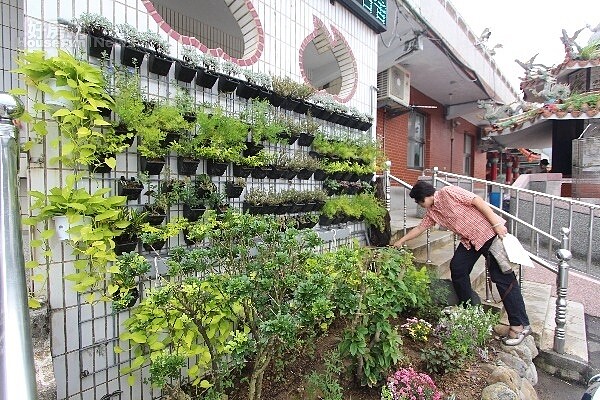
pixel 17 371
pixel 386 184
pixel 562 281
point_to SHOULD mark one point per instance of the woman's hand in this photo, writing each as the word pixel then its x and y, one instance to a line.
pixel 500 230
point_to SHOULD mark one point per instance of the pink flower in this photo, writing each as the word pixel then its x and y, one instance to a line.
pixel 407 384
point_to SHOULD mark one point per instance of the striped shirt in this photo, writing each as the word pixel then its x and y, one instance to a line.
pixel 452 209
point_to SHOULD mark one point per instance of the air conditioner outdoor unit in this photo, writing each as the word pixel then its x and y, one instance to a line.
pixel 393 87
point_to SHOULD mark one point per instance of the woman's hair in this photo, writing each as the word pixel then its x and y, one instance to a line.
pixel 421 190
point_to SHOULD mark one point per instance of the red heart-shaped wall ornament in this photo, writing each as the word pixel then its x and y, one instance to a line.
pixel 248 20
pixel 336 43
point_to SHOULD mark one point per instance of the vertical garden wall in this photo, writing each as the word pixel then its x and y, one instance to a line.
pixel 128 144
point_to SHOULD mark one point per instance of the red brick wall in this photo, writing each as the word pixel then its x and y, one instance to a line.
pixel 440 150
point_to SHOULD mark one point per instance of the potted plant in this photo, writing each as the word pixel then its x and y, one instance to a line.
pixel 254 201
pixel 100 31
pixel 234 187
pixel 132 49
pixel 186 104
pixel 122 286
pixel 159 61
pixel 151 149
pixel 227 80
pixel 263 126
pixel 154 237
pixel 156 207
pixel 127 240
pixel 247 89
pixel 218 202
pixel 131 188
pixel 185 69
pixel 187 153
pixel 291 130
pixel 169 119
pixel 197 231
pixel 207 74
pixel 204 186
pixel 193 203
pixel 309 129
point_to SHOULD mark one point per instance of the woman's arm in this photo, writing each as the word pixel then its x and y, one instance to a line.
pixel 413 233
pixel 496 223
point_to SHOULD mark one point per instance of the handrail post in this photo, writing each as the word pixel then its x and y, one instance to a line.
pixel 562 281
pixel 434 175
pixel 17 371
pixel 386 185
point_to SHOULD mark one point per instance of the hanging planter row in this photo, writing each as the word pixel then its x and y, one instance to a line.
pixel 160 64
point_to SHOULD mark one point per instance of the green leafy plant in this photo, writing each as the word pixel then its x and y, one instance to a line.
pixel 326 385
pixel 156 42
pixel 129 267
pixel 95 24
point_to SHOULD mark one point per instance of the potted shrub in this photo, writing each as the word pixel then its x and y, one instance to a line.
pixel 185 69
pixel 122 286
pixel 157 208
pixel 170 120
pixel 227 80
pixel 128 238
pixel 151 149
pixel 248 89
pixel 131 188
pixel 129 104
pixel 254 201
pixel 132 49
pixel 291 130
pixel 185 104
pixel 100 31
pixel 263 126
pixel 217 202
pixel 159 61
pixel 309 129
pixel 193 203
pixel 154 237
pixel 207 75
pixel 204 186
pixel 187 154
pixel 197 231
pixel 235 187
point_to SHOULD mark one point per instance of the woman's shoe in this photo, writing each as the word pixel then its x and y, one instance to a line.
pixel 518 339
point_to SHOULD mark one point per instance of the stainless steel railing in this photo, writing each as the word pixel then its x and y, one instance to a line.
pixel 17 371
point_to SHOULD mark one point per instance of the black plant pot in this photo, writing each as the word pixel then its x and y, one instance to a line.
pixel 251 208
pixel 319 175
pixel 155 219
pixel 156 246
pixel 152 166
pixel 291 139
pixel 252 149
pixel 132 56
pixel 159 65
pixel 273 173
pixel 240 171
pixel 134 295
pixel 125 245
pixel 184 73
pixel 233 191
pixel 187 166
pixel 105 112
pixel 100 166
pixel 170 138
pixel 304 174
pixel 365 126
pixel 227 84
pixel 131 189
pixel 288 174
pixel 97 45
pixel 263 94
pixel 192 214
pixel 317 111
pixel 305 139
pixel 246 90
pixel 190 117
pixel 325 221
pixel 206 78
pixel 302 107
pixel 259 173
pixel 215 168
pixel 334 117
pixel 290 104
pixel 276 99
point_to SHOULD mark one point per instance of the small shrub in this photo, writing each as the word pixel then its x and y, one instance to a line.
pixel 407 384
pixel 418 329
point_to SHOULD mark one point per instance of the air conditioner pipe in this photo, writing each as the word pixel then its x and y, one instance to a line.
pixel 17 370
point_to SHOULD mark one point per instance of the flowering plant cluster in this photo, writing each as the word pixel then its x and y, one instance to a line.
pixel 408 384
pixel 417 329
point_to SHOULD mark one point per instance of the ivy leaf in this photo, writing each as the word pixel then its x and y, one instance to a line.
pixel 33 302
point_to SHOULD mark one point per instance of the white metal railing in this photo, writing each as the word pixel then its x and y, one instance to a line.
pixel 563 253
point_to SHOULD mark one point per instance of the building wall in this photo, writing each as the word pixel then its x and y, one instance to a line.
pixel 84 335
pixel 11 39
pixel 440 150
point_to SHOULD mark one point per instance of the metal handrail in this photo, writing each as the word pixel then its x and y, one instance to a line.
pixel 17 370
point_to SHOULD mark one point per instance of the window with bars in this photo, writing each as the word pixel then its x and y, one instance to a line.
pixel 468 152
pixel 416 140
